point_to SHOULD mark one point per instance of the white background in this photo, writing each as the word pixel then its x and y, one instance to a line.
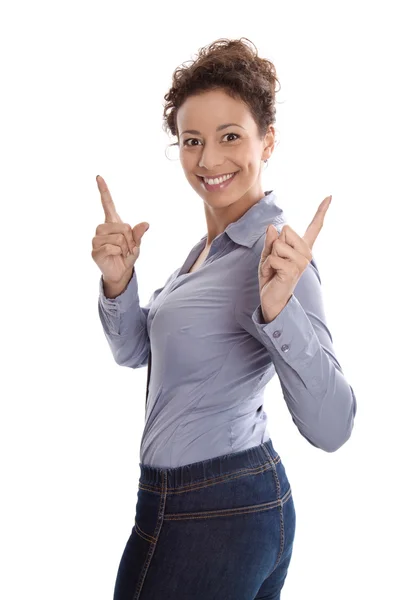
pixel 82 94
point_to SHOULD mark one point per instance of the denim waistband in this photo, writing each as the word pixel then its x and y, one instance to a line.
pixel 207 469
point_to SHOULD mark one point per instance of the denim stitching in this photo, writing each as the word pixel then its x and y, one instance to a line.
pixel 143 535
pixel 157 533
pixel 230 512
pixel 210 514
pixel 213 480
pixel 278 487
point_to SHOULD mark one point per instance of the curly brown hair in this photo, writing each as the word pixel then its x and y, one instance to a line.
pixel 230 65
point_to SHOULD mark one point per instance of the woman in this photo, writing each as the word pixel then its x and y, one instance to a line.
pixel 215 517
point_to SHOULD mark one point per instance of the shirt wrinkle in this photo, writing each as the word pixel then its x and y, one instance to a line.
pixel 206 327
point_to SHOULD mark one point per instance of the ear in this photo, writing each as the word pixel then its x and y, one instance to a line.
pixel 269 143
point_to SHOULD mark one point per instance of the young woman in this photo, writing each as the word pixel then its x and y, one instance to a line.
pixel 215 518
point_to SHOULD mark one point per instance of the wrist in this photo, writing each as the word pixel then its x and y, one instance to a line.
pixel 271 313
pixel 114 289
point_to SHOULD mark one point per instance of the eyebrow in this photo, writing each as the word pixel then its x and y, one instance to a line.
pixel 218 128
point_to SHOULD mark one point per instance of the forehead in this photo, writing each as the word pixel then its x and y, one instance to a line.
pixel 206 110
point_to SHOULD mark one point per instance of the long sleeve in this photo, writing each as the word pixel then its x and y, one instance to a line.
pixel 320 400
pixel 124 323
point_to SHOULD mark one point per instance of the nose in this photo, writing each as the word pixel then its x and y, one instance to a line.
pixel 210 158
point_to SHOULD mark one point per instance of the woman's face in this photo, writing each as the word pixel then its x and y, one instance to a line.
pixel 211 147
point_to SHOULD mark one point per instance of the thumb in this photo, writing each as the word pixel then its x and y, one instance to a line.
pixel 266 272
pixel 138 232
pixel 271 236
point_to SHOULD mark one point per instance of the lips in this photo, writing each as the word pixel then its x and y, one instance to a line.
pixel 217 186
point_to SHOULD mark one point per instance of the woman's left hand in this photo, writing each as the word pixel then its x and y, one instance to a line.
pixel 283 260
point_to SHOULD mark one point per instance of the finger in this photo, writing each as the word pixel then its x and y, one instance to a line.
pixel 292 239
pixel 284 250
pixel 116 239
pixel 316 224
pixel 271 236
pixel 111 228
pixel 106 250
pixel 287 252
pixel 111 215
pixel 285 269
pixel 278 264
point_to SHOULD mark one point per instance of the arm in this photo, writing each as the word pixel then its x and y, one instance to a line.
pixel 320 400
pixel 124 323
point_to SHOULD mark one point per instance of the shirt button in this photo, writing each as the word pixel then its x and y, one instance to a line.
pixel 276 334
pixel 285 348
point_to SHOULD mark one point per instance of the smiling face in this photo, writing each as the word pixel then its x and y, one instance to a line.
pixel 218 136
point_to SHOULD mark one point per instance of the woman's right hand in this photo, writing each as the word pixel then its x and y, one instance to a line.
pixel 116 246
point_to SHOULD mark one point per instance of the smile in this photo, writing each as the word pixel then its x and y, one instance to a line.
pixel 217 183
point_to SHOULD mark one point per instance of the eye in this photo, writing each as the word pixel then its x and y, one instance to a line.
pixel 186 142
pixel 235 134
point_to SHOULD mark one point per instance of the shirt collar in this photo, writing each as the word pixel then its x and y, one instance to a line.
pixel 253 224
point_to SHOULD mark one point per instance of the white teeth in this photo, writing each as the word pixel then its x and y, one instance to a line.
pixel 218 179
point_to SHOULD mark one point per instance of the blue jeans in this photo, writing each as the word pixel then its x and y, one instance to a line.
pixel 218 529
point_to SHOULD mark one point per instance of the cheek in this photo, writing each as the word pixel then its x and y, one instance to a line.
pixel 188 162
pixel 246 159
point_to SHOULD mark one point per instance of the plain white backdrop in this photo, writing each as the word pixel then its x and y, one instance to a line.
pixel 82 94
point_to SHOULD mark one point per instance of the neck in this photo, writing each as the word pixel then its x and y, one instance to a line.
pixel 218 219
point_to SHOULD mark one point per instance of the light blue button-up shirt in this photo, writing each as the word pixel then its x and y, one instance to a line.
pixel 213 354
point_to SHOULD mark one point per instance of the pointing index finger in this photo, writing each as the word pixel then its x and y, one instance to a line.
pixel 316 224
pixel 106 200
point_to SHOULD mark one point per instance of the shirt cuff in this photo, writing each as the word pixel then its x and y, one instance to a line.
pixel 125 300
pixel 290 334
